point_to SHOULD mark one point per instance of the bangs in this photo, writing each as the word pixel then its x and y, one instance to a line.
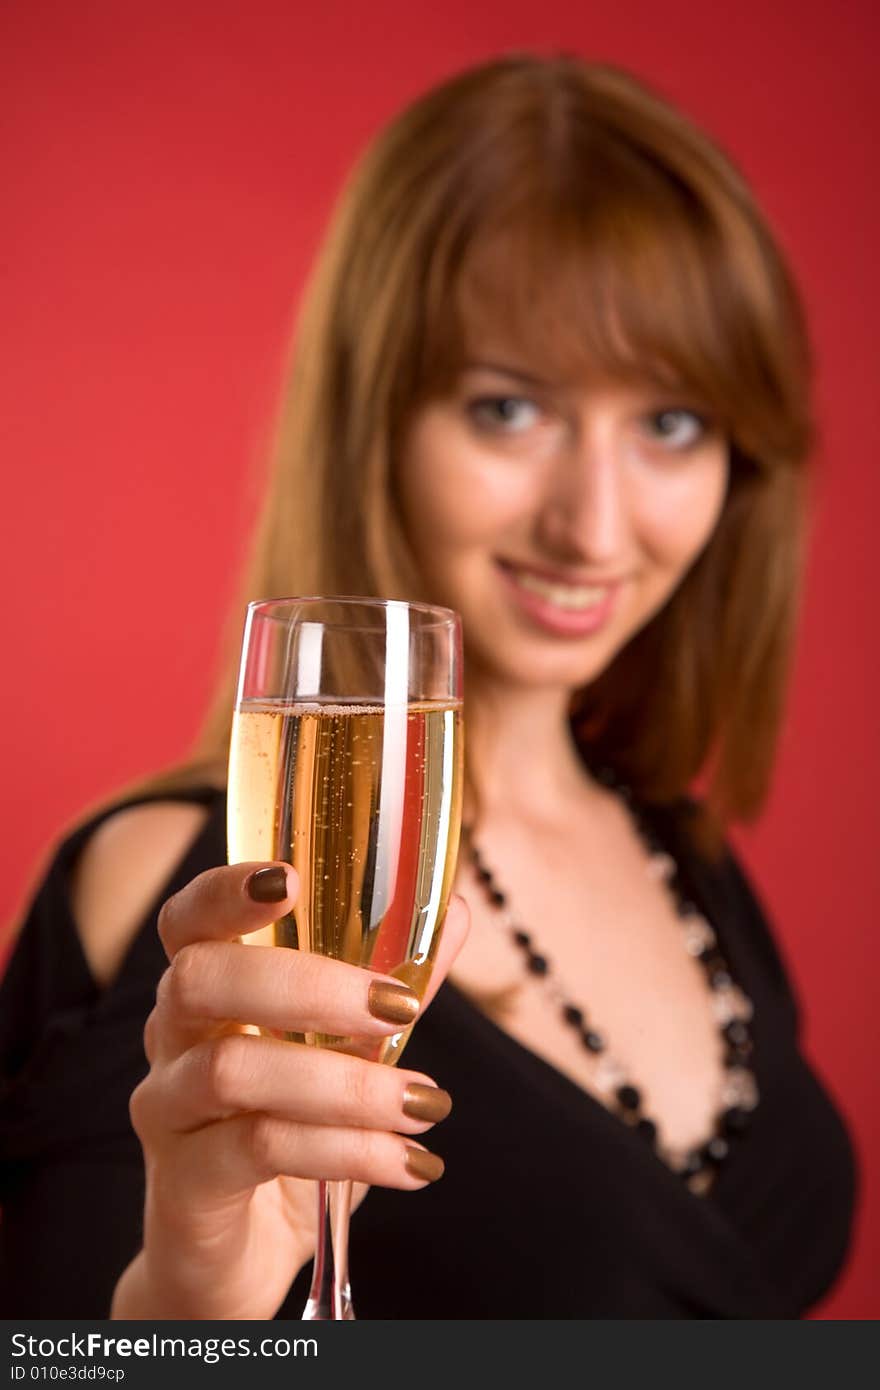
pixel 631 277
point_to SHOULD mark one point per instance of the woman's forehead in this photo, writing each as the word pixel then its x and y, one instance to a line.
pixel 546 350
pixel 583 314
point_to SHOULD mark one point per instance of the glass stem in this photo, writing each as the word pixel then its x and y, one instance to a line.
pixel 330 1294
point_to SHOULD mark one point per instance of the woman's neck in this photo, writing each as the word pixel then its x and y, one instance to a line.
pixel 522 754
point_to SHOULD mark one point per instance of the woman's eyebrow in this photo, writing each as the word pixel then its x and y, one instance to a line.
pixel 503 369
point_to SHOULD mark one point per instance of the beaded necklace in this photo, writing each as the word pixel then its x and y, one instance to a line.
pixel 731 1008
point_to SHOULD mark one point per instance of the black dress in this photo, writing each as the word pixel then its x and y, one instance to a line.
pixel 550 1206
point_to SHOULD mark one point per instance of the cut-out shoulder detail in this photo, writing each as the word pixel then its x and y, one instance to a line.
pixel 121 870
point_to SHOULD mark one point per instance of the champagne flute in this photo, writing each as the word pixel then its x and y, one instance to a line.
pixel 345 761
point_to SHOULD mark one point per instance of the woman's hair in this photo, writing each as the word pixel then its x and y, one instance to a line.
pixel 570 212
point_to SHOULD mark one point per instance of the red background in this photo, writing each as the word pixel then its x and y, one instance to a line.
pixel 169 170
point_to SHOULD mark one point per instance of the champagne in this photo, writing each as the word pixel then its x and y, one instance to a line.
pixel 365 802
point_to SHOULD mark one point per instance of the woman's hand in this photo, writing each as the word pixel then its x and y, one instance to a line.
pixel 233 1124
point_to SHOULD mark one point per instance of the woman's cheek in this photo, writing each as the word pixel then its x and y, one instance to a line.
pixel 476 500
pixel 678 515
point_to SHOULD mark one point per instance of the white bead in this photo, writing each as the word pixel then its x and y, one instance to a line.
pixel 661 867
pixel 698 935
pixel 609 1075
pixel 722 1006
pixel 745 1009
pixel 731 1003
pixel 740 1088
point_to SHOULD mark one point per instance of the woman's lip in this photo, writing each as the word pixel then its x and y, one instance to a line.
pixel 550 617
pixel 560 576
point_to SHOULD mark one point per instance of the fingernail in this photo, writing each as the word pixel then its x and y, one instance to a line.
pixel 427 1167
pixel 426 1103
pixel 268 885
pixel 392 1003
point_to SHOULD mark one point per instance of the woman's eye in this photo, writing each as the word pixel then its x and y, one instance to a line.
pixel 677 428
pixel 503 414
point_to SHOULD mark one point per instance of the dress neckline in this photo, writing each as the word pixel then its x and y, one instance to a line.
pixel 664 823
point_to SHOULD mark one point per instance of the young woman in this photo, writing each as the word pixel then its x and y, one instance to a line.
pixel 552 373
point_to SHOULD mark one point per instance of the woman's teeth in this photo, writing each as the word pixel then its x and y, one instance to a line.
pixel 563 595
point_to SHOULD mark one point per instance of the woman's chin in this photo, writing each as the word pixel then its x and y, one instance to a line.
pixel 525 665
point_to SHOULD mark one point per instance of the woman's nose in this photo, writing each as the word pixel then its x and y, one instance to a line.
pixel 585 508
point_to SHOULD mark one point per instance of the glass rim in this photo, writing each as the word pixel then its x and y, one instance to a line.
pixel 441 617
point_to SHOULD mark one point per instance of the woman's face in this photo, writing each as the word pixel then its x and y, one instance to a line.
pixel 556 516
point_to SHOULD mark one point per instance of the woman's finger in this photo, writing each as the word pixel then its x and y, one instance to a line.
pixel 238 1072
pixel 229 1159
pixel 223 903
pixel 210 984
pixel 289 990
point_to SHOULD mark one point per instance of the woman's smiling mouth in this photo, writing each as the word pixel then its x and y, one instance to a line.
pixel 563 606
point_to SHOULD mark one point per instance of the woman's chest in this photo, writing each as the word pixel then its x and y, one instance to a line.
pixel 622 1001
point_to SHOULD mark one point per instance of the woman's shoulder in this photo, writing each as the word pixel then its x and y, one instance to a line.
pixel 108 872
pixel 121 870
pixel 87 941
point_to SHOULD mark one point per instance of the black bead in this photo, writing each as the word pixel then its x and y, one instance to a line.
pixel 522 938
pixel 498 898
pixel 716 1150
pixel 735 1120
pixel 593 1041
pixel 484 875
pixel 538 965
pixel 647 1129
pixel 629 1097
pixel 737 1052
pixel 720 978
pixel 736 1033
pixel 711 958
pixel 685 908
pixel 573 1015
pixel 693 1164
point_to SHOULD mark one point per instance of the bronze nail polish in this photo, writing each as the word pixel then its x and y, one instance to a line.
pixel 427 1167
pixel 268 885
pixel 392 1003
pixel 426 1102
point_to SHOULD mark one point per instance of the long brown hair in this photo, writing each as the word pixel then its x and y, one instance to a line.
pixel 565 205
